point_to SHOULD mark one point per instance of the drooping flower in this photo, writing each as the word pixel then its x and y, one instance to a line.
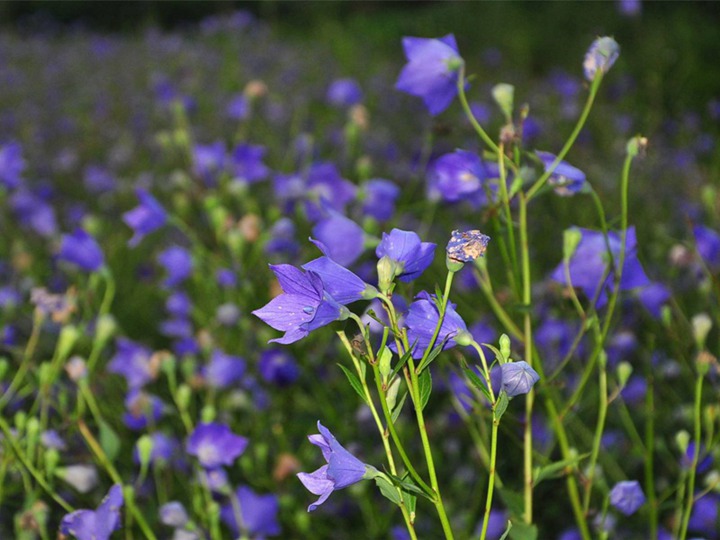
pixel 96 524
pixel 342 468
pixel 340 238
pixel 258 513
pixel 215 445
pixel 431 72
pixel 344 93
pixel 302 307
pixel 600 57
pixel 454 176
pixel 590 268
pixel 339 282
pixel 82 250
pixel 148 217
pixel 566 179
pixel 422 318
pixel 408 255
pixel 518 378
pixel 627 496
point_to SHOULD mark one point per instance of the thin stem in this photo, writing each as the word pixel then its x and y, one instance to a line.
pixel 17 379
pixel 599 428
pixel 540 182
pixel 470 116
pixel 506 207
pixel 491 478
pixel 697 427
pixel 497 309
pixel 650 456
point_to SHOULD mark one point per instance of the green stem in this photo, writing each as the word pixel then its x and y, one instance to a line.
pixel 540 182
pixel 470 116
pixel 697 427
pixel 38 318
pixel 508 214
pixel 650 456
pixel 599 428
pixel 491 478
pixel 498 310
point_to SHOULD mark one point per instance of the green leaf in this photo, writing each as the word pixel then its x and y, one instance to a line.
pixel 514 501
pixel 354 382
pixel 507 530
pixel 384 363
pixel 406 484
pixel 477 382
pixel 498 355
pixel 403 360
pixel 501 405
pixel 396 411
pixel 523 531
pixel 410 501
pixel 433 354
pixel 424 388
pixel 388 491
pixel 109 441
pixel 556 469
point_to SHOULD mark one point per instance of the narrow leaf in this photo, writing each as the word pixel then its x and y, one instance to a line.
pixel 396 411
pixel 433 354
pixel 388 491
pixel 109 441
pixel 501 405
pixel 354 382
pixel 556 469
pixel 424 387
pixel 477 382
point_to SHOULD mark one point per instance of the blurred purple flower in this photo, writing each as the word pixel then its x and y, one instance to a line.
pixel 215 445
pixel 454 176
pixel 324 189
pixel 12 165
pixel 654 297
pixel 408 254
pixel 148 217
pixel 134 362
pixel 627 497
pixel 278 367
pixel 707 242
pixel 98 179
pixel 209 160
pixel 282 239
pixel 340 238
pixel 600 57
pixel 344 93
pixel 379 198
pixel 142 409
pixel 565 179
pixel 342 468
pixel 431 72
pixel 178 263
pixel 82 250
pixel 33 212
pixel 223 370
pixel 238 108
pixel 173 514
pixel 302 307
pixel 258 514
pixel 705 514
pixel 98 524
pixel 178 304
pixel 247 165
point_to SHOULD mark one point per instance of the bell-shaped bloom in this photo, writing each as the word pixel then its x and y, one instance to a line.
pixel 12 165
pixel 342 468
pixel 600 57
pixel 566 179
pixel 409 256
pixel 466 246
pixel 259 514
pixel 339 282
pixel 590 268
pixel 148 217
pixel 627 496
pixel 707 243
pixel 247 164
pixel 431 72
pixel 654 297
pixel 454 176
pixel 379 198
pixel 81 249
pixel 223 370
pixel 518 378
pixel 323 189
pixel 340 238
pixel 278 367
pixel 33 212
pixel 303 306
pixel 96 524
pixel 215 445
pixel 178 264
pixel 134 362
pixel 422 318
pixel 344 93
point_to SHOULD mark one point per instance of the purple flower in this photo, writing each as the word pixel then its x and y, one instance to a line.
pixel 627 497
pixel 339 282
pixel 98 524
pixel 98 179
pixel 282 239
pixel 566 179
pixel 148 217
pixel 454 176
pixel 466 246
pixel 178 264
pixel 705 458
pixel 344 93
pixel 134 362
pixel 342 468
pixel 589 266
pixel 81 249
pixel 33 212
pixel 704 517
pixel 324 189
pixel 176 328
pixel 518 378
pixel 209 161
pixel 379 198
pixel 422 318
pixel 143 409
pixel 707 243
pixel 165 449
pixel 278 367
pixel 340 238
pixel 238 108
pixel 258 514
pixel 654 297
pixel 178 304
pixel 247 165
pixel 173 514
pixel 409 256
pixel 600 57
pixel 223 370
pixel 215 445
pixel 431 72
pixel 12 165
pixel 303 307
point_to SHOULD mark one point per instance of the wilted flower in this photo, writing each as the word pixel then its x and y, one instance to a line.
pixel 466 246
pixel 627 496
pixel 98 524
pixel 342 469
pixel 600 57
pixel 432 71
pixel 215 445
pixel 518 378
pixel 303 307
pixel 148 217
pixel 566 179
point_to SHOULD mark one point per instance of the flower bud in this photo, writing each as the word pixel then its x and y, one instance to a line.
pixel 505 346
pixel 682 439
pixel 144 447
pixel 636 146
pixel 82 477
pixel 600 57
pixel 701 325
pixel 504 95
pixel 76 368
pixel 68 337
pixel 623 371
pixel 571 239
pixel 105 328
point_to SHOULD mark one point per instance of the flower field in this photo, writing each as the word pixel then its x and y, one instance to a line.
pixel 255 285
